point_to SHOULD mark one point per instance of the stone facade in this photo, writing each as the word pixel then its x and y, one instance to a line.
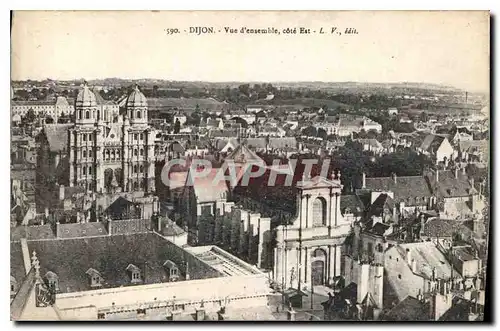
pixel 107 156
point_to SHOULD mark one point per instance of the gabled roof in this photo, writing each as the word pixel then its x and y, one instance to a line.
pixel 93 272
pixel 431 143
pixel 133 268
pixel 383 203
pixel 318 182
pixel 428 257
pixel 404 188
pixel 243 154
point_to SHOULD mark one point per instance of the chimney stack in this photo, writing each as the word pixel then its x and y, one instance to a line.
pixel 437 175
pixel 395 178
pixel 456 172
pixel 364 180
pixel 61 192
pixel 408 256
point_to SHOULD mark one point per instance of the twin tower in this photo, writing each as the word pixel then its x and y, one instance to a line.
pixel 108 152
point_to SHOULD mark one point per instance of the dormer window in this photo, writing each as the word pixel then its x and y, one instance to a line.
pixel 172 271
pixel 52 281
pixel 135 273
pixel 95 277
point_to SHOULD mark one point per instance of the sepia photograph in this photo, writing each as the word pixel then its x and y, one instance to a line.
pixel 319 166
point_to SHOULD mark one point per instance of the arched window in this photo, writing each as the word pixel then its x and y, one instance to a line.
pixel 84 154
pixel 80 114
pixel 141 169
pixel 142 152
pixel 90 136
pixel 84 137
pixel 113 154
pixel 87 114
pixel 319 253
pixel 135 169
pixel 90 170
pixel 138 114
pixel 319 212
pixel 135 152
pixel 118 153
pixel 98 114
pixel 84 170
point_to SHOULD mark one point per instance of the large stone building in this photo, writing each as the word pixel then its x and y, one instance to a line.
pixel 109 155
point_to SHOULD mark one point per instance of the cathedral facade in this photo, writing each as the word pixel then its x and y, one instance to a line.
pixel 109 153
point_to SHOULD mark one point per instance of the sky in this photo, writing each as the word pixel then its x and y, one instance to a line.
pixel 450 48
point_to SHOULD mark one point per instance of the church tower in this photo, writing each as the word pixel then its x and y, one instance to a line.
pixel 111 157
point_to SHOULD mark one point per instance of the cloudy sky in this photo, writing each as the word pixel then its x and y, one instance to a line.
pixel 449 48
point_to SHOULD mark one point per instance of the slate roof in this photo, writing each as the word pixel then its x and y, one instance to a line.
pixel 404 188
pixel 474 146
pixel 109 255
pixel 409 309
pixel 57 136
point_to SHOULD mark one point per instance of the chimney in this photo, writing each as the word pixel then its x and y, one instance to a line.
pixel 200 314
pixel 395 178
pixel 364 180
pixel 437 175
pixel 61 192
pixel 456 172
pixel 46 212
pixel 408 256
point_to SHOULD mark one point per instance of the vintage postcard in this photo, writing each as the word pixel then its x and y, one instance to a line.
pixel 250 165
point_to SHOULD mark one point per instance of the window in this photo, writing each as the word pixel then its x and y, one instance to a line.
pixel 135 136
pixel 84 153
pixel 141 169
pixel 399 276
pixel 138 114
pixel 135 169
pixel 84 170
pixel 12 288
pixel 84 137
pixel 319 212
pixel 90 171
pixel 141 152
pixel 80 114
pixel 87 114
pixel 90 137
pixel 135 152
pixel 142 136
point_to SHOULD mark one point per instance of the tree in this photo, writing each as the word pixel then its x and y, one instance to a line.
pixel 310 131
pixel 177 126
pixel 30 117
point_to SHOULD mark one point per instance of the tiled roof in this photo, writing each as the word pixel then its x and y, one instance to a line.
pixel 410 309
pixel 256 143
pixel 32 232
pixel 436 227
pixel 351 202
pixel 57 136
pixel 449 185
pixel 383 203
pixel 428 257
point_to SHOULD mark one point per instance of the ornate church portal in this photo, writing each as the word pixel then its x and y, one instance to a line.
pixel 311 247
